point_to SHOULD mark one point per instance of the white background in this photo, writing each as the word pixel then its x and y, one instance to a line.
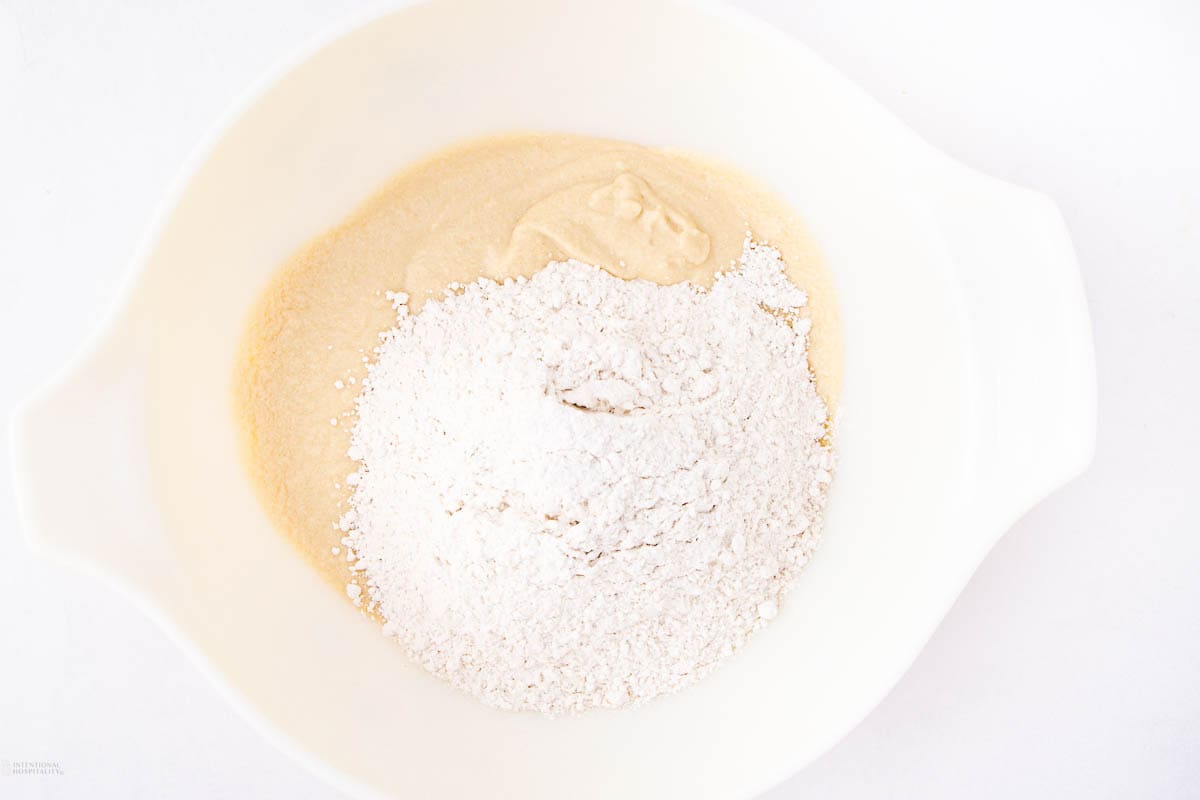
pixel 1070 667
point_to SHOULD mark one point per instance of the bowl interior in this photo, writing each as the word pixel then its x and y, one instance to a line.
pixel 660 73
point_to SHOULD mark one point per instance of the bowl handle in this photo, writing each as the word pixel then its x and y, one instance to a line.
pixel 1028 313
pixel 81 470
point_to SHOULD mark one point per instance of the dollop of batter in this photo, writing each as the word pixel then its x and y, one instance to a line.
pixel 496 208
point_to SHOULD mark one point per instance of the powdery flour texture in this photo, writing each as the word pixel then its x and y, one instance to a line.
pixel 576 491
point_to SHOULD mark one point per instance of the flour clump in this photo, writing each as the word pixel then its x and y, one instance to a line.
pixel 577 491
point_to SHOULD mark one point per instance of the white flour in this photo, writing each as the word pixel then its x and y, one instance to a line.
pixel 578 491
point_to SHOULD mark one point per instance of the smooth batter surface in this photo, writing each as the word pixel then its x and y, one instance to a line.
pixel 496 208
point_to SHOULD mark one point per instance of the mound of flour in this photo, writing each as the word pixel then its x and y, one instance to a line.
pixel 579 491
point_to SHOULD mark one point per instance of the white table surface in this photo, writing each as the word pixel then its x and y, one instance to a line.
pixel 1070 667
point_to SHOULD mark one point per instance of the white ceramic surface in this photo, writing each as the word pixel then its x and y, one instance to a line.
pixel 969 393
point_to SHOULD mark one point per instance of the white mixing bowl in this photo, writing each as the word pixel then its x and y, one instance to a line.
pixel 969 393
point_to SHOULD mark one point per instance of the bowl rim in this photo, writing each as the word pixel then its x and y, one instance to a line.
pixel 124 297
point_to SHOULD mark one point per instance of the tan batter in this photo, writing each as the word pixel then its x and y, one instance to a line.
pixel 497 207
